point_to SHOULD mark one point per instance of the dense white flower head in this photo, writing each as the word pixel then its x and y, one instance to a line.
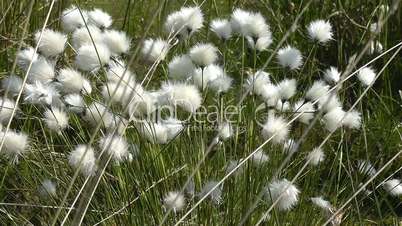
pixel 240 20
pixel 366 76
pixel 97 113
pixel 25 56
pixel 259 158
pixel 56 119
pixel 332 75
pixel 290 57
pixel 155 49
pixel 316 156
pixel 181 94
pixel 115 145
pixel 184 22
pixel 90 59
pixel 74 102
pixel 203 77
pixel 71 80
pixel 257 27
pixel 393 187
pixel 117 41
pixel 320 30
pixel 72 19
pixel 174 200
pixel 12 85
pixel 222 28
pixel 225 130
pixel 329 102
pixel 42 71
pixel 117 92
pixel 333 119
pixel 221 84
pixel 181 67
pixel 6 109
pixel 352 119
pixel 83 156
pixel 154 132
pixel 322 203
pixel 89 35
pixel 99 18
pixel 275 127
pixel 203 54
pixel 284 191
pixel 261 43
pixel 306 111
pixel 257 82
pixel 317 90
pixel 287 88
pixel 215 196
pixel 282 106
pixel 15 144
pixel 39 93
pixel 52 42
pixel 270 94
pixel 47 188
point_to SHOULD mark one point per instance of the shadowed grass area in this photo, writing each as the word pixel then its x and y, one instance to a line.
pixel 139 186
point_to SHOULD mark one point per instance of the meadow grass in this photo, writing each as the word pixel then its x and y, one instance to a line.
pixel 131 193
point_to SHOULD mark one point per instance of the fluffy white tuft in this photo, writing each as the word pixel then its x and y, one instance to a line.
pixel 6 109
pixel 117 41
pixel 259 158
pixel 52 42
pixel 320 30
pixel 366 76
pixel 322 203
pixel 155 49
pixel 115 145
pixel 222 28
pixel 315 156
pixel 181 94
pixel 225 130
pixel 174 200
pixel 290 57
pixel 333 119
pixel 47 188
pixel 15 144
pixel 42 71
pixel 71 19
pixel 290 146
pixel 287 88
pixel 87 36
pixel 56 119
pixel 203 54
pixel 284 191
pixel 332 75
pixel 71 80
pixel 317 90
pixel 39 93
pixel 240 20
pixel 270 94
pixel 184 22
pixel 83 156
pixel 25 56
pixel 99 18
pixel 275 127
pixel 352 120
pixel 181 67
pixel 12 85
pixel 90 59
pixel 203 78
pixel 75 102
pixel 153 132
